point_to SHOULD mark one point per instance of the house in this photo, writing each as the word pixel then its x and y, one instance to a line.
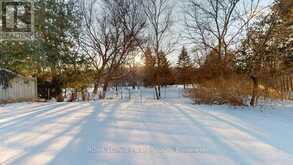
pixel 15 87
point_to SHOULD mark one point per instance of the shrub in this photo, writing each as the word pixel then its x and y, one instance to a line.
pixel 233 90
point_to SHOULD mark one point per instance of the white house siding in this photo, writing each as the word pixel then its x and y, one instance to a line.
pixel 20 89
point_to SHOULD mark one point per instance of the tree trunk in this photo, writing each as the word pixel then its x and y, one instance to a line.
pixel 105 87
pixel 95 91
pixel 157 93
pixel 116 90
pixel 96 86
pixel 254 91
pixel 49 94
pixel 84 95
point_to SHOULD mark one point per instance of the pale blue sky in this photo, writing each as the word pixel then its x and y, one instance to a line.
pixel 178 27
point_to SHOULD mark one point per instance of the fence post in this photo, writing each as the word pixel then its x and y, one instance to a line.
pixel 140 95
pixel 129 94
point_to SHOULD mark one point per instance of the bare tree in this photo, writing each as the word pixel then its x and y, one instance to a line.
pixel 159 13
pixel 110 35
pixel 218 24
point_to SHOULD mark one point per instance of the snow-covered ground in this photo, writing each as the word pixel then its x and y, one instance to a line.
pixel 145 132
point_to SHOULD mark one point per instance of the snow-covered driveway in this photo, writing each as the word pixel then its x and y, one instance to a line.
pixel 166 132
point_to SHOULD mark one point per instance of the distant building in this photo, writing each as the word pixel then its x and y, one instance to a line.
pixel 15 87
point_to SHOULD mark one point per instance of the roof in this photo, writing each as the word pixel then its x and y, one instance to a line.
pixel 17 74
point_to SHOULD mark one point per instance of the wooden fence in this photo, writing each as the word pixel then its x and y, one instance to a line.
pixel 20 89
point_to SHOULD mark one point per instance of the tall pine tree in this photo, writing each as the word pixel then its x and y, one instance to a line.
pixel 164 71
pixel 184 68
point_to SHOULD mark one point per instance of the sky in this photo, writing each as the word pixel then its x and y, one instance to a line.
pixel 179 28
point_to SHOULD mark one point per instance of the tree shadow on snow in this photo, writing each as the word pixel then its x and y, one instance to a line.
pixel 271 140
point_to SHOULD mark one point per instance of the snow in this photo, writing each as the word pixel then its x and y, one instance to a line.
pixel 143 131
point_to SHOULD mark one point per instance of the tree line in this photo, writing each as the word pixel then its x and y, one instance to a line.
pixel 234 49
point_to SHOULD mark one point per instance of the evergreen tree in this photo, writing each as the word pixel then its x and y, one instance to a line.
pixel 164 71
pixel 54 49
pixel 149 68
pixel 283 30
pixel 184 68
pixel 184 60
pixel 266 52
pixel 57 32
